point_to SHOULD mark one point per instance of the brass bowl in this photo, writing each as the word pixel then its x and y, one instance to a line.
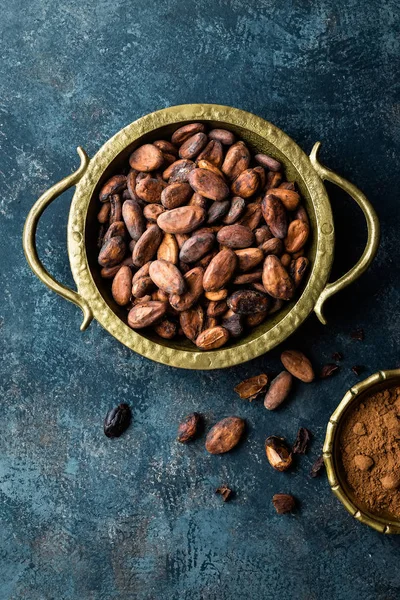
pixel 331 451
pixel 93 294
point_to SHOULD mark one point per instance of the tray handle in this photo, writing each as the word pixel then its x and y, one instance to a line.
pixel 373 234
pixel 29 239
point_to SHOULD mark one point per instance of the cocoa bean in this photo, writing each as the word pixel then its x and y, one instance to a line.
pixel 220 270
pixel 193 145
pixel 112 252
pixel 275 216
pixel 276 279
pixel 182 220
pixel 208 184
pixel 175 195
pixel 185 132
pixel 167 277
pixel 196 246
pixel 225 435
pixel 212 338
pixel 246 302
pixel 236 210
pixel 114 185
pixel 236 161
pixel 145 314
pixel 222 135
pixel 147 245
pixel 235 236
pixel 121 286
pixel 146 158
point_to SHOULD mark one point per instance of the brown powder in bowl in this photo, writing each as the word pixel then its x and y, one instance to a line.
pixel 370 449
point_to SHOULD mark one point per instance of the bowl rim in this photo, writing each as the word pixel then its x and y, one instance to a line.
pixel 240 352
pixel 381 524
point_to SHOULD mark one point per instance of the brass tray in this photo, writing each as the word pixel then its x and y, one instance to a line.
pixel 93 294
pixel 331 451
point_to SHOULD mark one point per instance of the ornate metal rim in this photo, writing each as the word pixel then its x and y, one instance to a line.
pixel 335 477
pixel 240 352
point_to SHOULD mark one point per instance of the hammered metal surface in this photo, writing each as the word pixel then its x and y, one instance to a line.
pixel 259 134
pixel 331 451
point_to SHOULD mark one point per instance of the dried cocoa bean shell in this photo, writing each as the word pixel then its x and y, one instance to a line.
pixel 193 145
pixel 147 245
pixel 276 279
pixel 150 189
pixel 142 286
pixel 233 323
pixel 250 388
pixel 246 184
pixel 283 503
pixel 217 210
pixel 289 198
pixel 104 213
pixel 298 365
pixel 268 162
pixel 275 215
pixel 272 246
pixel 220 270
pixel 225 435
pixel 273 180
pixel 182 220
pixel 167 277
pixel 248 258
pixel 278 390
pixel 189 428
pixel 166 329
pixel 236 210
pixel 252 216
pixel 235 236
pixel 116 229
pixel 151 212
pixel 297 236
pixel 263 234
pixel 112 252
pixel 146 158
pixel 216 308
pixel 179 171
pixel 208 184
pixel 237 159
pixel 166 147
pixel 168 249
pixel 112 186
pixel 194 288
pixel 213 154
pixel 246 278
pixel 258 286
pixel 298 269
pixel 185 132
pixel 115 208
pixel 247 302
pixel 122 285
pixel 223 136
pixel 145 314
pixel 212 338
pixel 196 246
pixel 176 194
pixel 278 453
pixel 192 322
pixel 117 420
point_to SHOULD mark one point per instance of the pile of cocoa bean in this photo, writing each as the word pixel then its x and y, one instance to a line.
pixel 201 237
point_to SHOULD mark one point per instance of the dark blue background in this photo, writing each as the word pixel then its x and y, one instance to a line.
pixel 87 518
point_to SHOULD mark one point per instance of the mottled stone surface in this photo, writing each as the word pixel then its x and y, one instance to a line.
pixel 88 518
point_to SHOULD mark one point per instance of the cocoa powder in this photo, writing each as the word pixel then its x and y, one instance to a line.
pixel 370 448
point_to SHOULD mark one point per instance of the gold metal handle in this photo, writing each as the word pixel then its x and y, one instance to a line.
pixel 29 239
pixel 372 226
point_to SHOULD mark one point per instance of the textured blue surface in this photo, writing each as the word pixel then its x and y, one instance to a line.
pixel 88 518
